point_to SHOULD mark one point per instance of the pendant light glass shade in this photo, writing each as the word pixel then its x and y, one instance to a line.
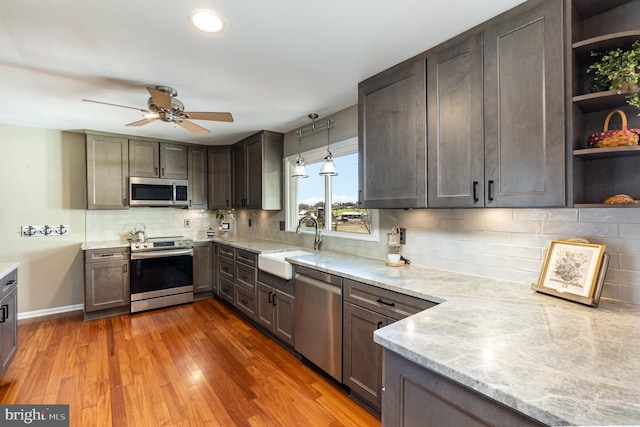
pixel 299 170
pixel 328 167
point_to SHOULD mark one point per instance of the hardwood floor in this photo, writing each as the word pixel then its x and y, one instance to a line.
pixel 198 364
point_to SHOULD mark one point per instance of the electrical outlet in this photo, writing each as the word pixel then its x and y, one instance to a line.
pixel 403 236
pixel 187 223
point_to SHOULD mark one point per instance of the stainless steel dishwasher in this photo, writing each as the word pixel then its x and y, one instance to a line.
pixel 318 319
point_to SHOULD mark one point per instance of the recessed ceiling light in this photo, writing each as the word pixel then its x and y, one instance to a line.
pixel 207 21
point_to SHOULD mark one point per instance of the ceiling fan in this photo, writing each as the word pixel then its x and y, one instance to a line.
pixel 163 105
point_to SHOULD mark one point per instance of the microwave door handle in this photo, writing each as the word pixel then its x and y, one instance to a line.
pixel 175 193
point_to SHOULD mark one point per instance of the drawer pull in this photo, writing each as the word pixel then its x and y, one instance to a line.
pixel 270 296
pixel 381 301
pixel 244 301
pixel 10 282
pixel 245 278
pixel 106 255
pixel 5 312
pixel 379 324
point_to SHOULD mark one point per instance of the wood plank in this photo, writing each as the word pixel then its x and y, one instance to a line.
pixel 198 364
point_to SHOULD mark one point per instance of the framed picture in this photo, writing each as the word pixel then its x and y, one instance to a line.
pixel 574 270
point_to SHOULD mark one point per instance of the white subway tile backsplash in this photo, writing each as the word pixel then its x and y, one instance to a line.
pixel 503 244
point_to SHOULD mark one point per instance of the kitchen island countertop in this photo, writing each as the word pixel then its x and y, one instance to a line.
pixel 554 360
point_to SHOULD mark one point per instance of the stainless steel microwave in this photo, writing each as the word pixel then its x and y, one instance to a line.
pixel 158 192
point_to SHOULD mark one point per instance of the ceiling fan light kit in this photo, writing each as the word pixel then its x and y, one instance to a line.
pixel 163 105
pixel 207 21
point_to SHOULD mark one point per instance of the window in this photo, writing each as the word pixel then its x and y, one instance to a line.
pixel 310 196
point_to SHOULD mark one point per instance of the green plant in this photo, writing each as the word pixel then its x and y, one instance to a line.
pixel 219 214
pixel 618 69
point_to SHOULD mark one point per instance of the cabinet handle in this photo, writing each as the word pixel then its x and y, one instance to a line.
pixel 475 191
pixel 156 170
pixel 381 301
pixel 190 204
pixel 106 255
pixel 5 312
pixel 124 202
pixel 162 172
pixel 10 282
pixel 379 324
pixel 124 268
pixel 270 296
pixel 228 204
pixel 274 298
pixel 490 190
pixel 244 301
pixel 245 278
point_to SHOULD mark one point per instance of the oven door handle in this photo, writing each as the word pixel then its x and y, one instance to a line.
pixel 161 253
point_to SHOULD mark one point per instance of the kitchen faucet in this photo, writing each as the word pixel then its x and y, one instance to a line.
pixel 318 238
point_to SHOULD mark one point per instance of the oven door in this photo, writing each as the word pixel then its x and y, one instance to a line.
pixel 162 272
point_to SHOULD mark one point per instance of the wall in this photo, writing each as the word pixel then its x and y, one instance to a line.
pixel 43 182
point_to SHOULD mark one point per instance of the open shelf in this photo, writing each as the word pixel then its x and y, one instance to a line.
pixel 607 152
pixel 624 39
pixel 598 101
pixel 589 8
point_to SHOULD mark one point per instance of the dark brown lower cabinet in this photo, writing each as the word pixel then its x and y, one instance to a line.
pixel 362 357
pixel 416 396
pixel 276 312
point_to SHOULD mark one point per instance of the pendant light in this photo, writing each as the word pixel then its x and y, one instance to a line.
pixel 328 167
pixel 299 170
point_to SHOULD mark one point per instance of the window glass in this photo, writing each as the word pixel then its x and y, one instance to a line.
pixel 309 197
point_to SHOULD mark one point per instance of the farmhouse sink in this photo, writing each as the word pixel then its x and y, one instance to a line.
pixel 276 264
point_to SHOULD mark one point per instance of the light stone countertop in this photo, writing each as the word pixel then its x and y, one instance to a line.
pixel 87 246
pixel 557 361
pixel 7 267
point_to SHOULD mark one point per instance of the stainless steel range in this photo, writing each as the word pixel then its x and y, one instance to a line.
pixel 161 272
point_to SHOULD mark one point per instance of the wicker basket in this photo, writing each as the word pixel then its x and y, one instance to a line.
pixel 614 138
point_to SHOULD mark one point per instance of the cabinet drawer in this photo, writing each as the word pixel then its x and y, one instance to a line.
pixel 226 268
pixel 383 301
pixel 246 277
pixel 105 255
pixel 227 251
pixel 227 290
pixel 9 281
pixel 247 257
pixel 246 302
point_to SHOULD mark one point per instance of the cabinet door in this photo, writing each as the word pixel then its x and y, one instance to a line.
pixel 239 199
pixel 219 177
pixel 106 285
pixel 215 268
pixel 107 172
pixel 202 272
pixel 455 128
pixel 284 316
pixel 8 328
pixel 197 171
pixel 173 161
pixel 265 315
pixel 226 290
pixel 362 369
pixel 392 138
pixel 144 158
pixel 253 153
pixel 524 109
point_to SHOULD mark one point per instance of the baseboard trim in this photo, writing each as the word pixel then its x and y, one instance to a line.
pixel 50 311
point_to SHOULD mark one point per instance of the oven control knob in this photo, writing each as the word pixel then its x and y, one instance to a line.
pixel 146 245
pixel 137 245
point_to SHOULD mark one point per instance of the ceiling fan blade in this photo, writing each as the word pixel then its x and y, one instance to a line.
pixel 115 105
pixel 192 127
pixel 143 121
pixel 162 99
pixel 219 117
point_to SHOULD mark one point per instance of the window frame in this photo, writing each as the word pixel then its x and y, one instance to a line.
pixel 341 148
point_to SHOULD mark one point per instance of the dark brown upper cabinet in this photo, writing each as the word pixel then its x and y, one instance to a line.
pixel 257 171
pixel 392 138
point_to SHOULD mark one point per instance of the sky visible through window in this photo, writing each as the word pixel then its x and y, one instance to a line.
pixel 345 185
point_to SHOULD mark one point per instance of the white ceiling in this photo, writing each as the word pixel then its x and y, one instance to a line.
pixel 276 62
